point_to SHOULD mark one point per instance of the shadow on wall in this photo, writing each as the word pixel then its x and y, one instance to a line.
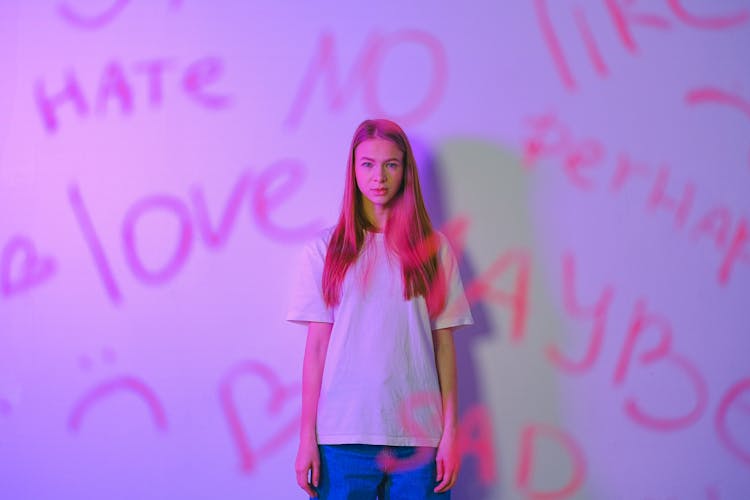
pixel 494 190
pixel 433 190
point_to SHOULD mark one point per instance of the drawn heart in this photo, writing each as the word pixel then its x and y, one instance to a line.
pixel 31 271
pixel 278 398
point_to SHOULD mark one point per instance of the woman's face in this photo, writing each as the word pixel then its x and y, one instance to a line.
pixel 379 169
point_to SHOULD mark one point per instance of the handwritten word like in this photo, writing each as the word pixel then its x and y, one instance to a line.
pixel 625 17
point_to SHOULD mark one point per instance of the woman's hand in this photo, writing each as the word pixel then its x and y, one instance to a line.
pixel 447 462
pixel 307 466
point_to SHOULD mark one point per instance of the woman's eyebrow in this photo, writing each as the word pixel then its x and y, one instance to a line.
pixel 370 159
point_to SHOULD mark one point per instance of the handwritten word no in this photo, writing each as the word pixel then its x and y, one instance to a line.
pixel 115 87
pixel 365 73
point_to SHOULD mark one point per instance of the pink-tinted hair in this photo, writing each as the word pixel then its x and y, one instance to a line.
pixel 408 231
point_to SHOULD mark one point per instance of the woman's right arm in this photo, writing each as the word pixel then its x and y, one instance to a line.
pixel 307 464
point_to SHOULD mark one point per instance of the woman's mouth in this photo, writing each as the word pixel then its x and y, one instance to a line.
pixel 379 191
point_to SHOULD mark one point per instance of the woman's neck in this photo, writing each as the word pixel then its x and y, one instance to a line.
pixel 377 215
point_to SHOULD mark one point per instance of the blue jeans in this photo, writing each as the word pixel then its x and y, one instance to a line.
pixel 352 472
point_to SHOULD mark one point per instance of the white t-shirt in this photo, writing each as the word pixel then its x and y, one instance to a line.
pixel 380 383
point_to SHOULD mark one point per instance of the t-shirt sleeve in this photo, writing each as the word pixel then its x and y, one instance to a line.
pixel 456 311
pixel 306 302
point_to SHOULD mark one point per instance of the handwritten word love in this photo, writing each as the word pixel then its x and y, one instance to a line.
pixel 260 194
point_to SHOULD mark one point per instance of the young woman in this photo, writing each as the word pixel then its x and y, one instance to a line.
pixel 380 294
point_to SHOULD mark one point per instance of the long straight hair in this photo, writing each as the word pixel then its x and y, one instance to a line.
pixel 408 230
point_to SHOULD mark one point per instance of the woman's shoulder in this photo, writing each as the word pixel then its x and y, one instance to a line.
pixel 443 245
pixel 440 239
pixel 319 242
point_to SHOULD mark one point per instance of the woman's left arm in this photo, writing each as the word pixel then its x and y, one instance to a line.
pixel 447 459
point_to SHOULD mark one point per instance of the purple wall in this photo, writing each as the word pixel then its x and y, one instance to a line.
pixel 161 164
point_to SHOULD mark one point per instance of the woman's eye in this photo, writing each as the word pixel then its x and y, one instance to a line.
pixel 392 165
pixel 366 164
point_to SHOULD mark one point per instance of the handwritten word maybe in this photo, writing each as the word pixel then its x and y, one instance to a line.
pixel 647 345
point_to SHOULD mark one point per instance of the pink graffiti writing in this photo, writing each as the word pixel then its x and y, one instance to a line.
pixel 415 425
pixel 115 88
pixel 714 22
pixel 732 404
pixel 94 243
pixel 181 250
pixel 476 439
pixel 597 312
pixel 475 435
pixel 261 193
pixel 364 73
pixel 113 386
pixel 93 21
pixel 647 346
pixel 530 435
pixel 643 321
pixel 278 397
pixel 712 95
pixel 588 168
pixel 516 300
pixel 625 17
pixel 22 267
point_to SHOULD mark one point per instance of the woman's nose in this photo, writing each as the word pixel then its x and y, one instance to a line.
pixel 380 173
